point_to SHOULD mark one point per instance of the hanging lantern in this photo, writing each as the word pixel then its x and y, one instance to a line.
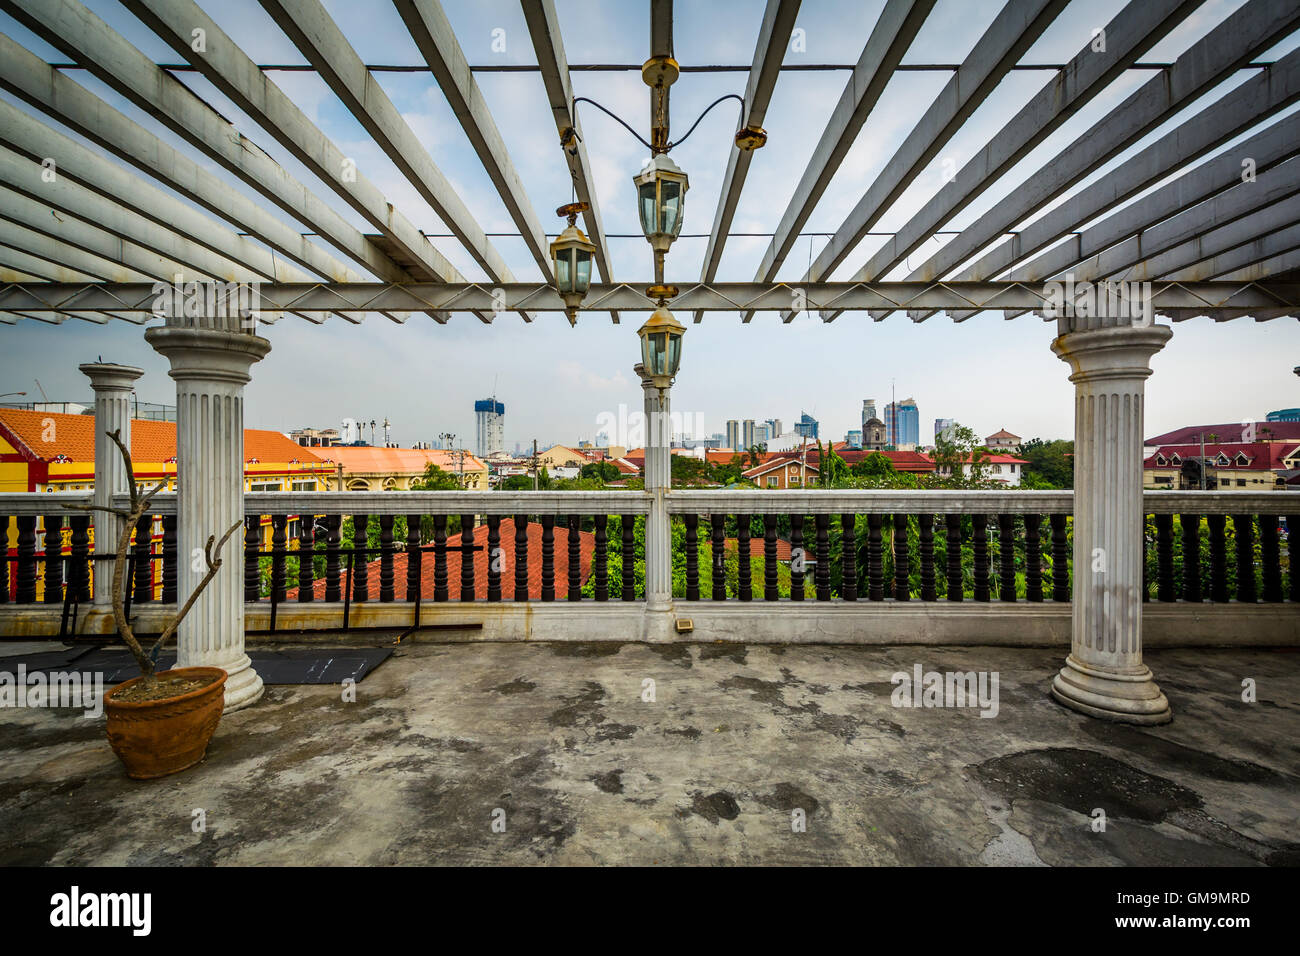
pixel 571 254
pixel 661 195
pixel 661 347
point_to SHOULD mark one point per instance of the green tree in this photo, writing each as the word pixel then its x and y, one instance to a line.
pixel 602 471
pixel 1050 463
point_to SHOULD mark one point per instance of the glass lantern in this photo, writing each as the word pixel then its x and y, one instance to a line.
pixel 661 347
pixel 571 254
pixel 661 195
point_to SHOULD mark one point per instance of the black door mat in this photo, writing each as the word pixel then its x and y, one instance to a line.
pixel 295 666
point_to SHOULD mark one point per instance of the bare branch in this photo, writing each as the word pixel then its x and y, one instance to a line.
pixel 214 565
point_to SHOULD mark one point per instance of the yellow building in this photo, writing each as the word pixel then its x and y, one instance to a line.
pixel 52 451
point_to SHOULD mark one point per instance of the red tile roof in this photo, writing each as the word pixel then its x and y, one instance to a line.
pixel 586 548
pixel 73 436
pixel 1261 456
pixel 1277 431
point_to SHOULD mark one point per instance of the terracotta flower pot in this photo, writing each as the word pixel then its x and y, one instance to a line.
pixel 157 737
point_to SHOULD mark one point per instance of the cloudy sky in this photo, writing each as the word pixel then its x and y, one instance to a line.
pixel 554 380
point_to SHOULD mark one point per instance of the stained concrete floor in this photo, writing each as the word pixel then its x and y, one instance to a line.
pixel 584 771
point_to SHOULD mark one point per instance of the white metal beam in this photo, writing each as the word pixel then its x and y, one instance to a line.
pixel 88 40
pixel 1135 29
pixel 228 68
pixel 1013 31
pixel 893 33
pixel 432 32
pixel 769 52
pixel 548 44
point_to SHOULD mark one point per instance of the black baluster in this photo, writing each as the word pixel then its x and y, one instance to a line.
pixel 875 560
pixel 902 560
pixel 1165 558
pixel 53 570
pixel 1060 559
pixel 1007 557
pixel 252 544
pixel 4 558
pixel 744 569
pixel 548 557
pixel 25 579
pixel 718 550
pixel 414 558
pixel 1033 558
pixel 467 592
pixel 848 557
pixel 925 538
pixel 601 559
pixel 170 558
pixel 1218 558
pixel 692 557
pixel 1243 530
pixel 521 558
pixel 629 557
pixel 822 575
pixel 952 556
pixel 333 562
pixel 980 545
pixel 279 551
pixel 797 556
pixel 306 557
pixel 360 570
pixel 770 579
pixel 143 590
pixel 440 562
pixel 1292 550
pixel 387 572
pixel 1191 525
pixel 494 558
pixel 574 541
pixel 1270 558
pixel 79 557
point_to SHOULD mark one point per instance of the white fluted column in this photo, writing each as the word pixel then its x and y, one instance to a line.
pixel 112 385
pixel 211 367
pixel 1104 675
pixel 658 533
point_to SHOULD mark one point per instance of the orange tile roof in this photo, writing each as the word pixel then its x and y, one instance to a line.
pixel 73 436
pixel 367 459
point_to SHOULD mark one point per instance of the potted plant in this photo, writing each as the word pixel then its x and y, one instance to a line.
pixel 159 723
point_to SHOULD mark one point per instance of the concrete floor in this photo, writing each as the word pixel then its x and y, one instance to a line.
pixel 558 737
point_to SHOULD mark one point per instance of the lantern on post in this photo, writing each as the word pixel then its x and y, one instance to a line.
pixel 571 254
pixel 661 347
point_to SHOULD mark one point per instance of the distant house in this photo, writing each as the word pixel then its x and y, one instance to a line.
pixel 1004 469
pixel 1002 440
pixel 1252 466
pixel 782 471
pixel 370 468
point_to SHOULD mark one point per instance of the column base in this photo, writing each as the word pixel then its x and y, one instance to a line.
pixel 1125 698
pixel 243 684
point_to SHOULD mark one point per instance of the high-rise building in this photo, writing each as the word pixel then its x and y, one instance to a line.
pixel 733 434
pixel 943 428
pixel 747 432
pixel 868 412
pixel 854 438
pixel 774 428
pixel 762 433
pixel 903 423
pixel 806 426
pixel 489 427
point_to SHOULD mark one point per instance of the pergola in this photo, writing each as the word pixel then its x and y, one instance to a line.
pixel 1213 230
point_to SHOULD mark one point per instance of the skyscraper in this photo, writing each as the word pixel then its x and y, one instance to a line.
pixel 747 432
pixel 903 423
pixel 806 426
pixel 868 412
pixel 733 434
pixel 943 427
pixel 489 426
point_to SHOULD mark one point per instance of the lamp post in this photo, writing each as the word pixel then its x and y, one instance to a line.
pixel 661 198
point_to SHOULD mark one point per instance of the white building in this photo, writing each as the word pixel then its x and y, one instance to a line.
pixel 489 427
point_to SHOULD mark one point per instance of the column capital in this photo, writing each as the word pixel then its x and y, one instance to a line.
pixel 208 354
pixel 1117 352
pixel 110 377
